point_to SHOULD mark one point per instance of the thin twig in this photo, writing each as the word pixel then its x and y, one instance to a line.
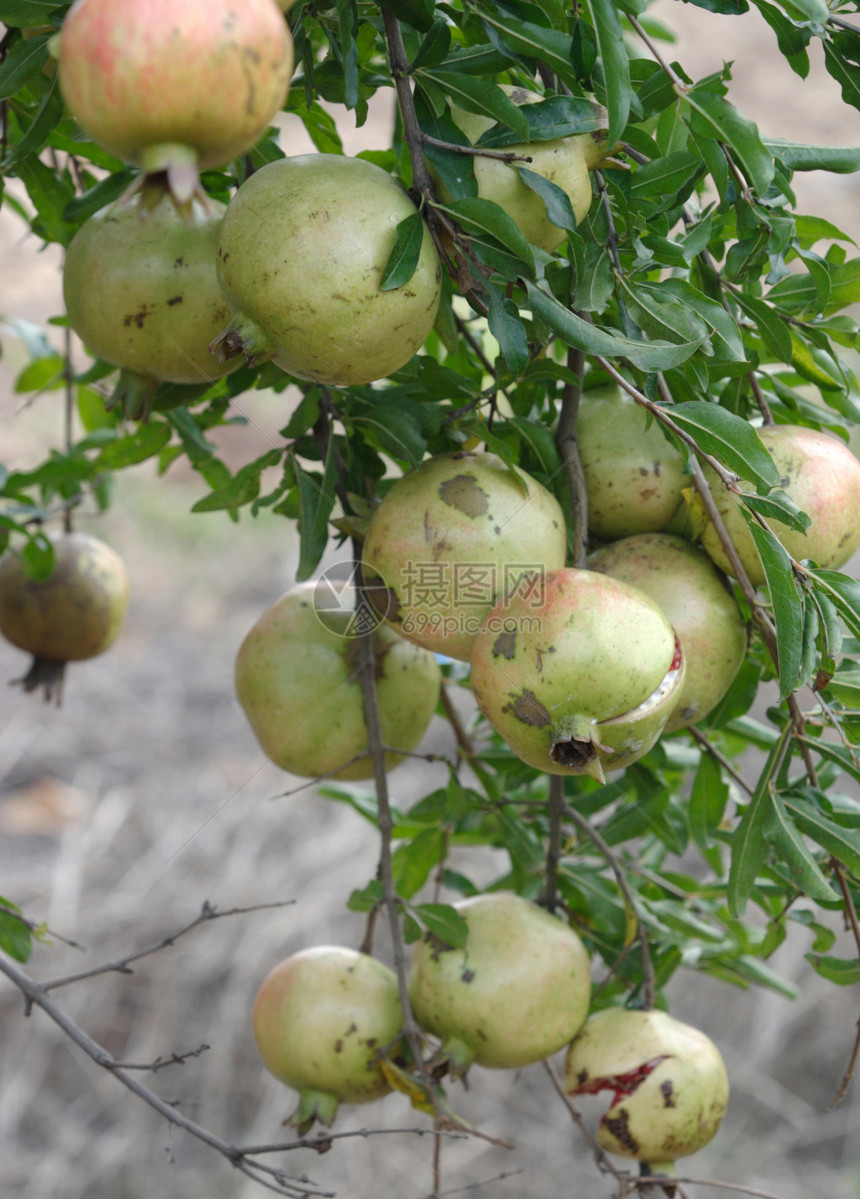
pixel 549 899
pixel 854 924
pixel 700 738
pixel 568 448
pixel 464 741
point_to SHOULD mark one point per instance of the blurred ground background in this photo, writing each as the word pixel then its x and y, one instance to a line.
pixel 146 794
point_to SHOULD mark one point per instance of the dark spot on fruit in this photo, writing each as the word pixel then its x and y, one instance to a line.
pixel 179 261
pixel 482 1034
pixel 352 1028
pixel 174 300
pixel 582 1078
pixel 462 492
pixel 497 530
pixel 338 1046
pixel 528 708
pixel 643 470
pixel 467 976
pixel 667 1091
pixel 656 468
pixel 619 1127
pixel 370 1042
pixel 505 646
pixel 647 493
pixel 137 318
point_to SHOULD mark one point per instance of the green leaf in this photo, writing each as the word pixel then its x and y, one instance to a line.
pixel 708 798
pixel 481 96
pixel 726 339
pixel 405 253
pixel 540 441
pixel 606 20
pixel 483 216
pixel 367 898
pixel 787 601
pixel 660 315
pixel 842 843
pixel 844 593
pixel 418 13
pixel 103 193
pixel 15 936
pixel 802 156
pixel 778 505
pixel 548 120
pixel 347 20
pixel 316 501
pixel 444 922
pixel 508 329
pixel 801 862
pixel 50 194
pixel 37 557
pixel 649 356
pixel 749 848
pixel 559 209
pixel 434 46
pixel 395 428
pixel 843 971
pixel 243 488
pixel 773 330
pixel 22 62
pixel 29 14
pixel 412 862
pixel 549 46
pixel 841 55
pixel 714 117
pixel 844 687
pixel 727 437
pixel 145 443
pixel 47 116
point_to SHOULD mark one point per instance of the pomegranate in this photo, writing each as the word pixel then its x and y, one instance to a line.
pixel 300 258
pixel 517 993
pixel 141 292
pixel 175 87
pixel 669 1084
pixel 321 1020
pixel 73 614
pixel 565 161
pixel 822 476
pixel 699 603
pixel 453 535
pixel 634 476
pixel 297 681
pixel 581 681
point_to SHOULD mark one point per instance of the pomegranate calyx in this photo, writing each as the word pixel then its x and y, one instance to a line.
pixel 315 1107
pixel 622 1085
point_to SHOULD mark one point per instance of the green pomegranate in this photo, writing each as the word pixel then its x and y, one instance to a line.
pixel 141 292
pixel 822 476
pixel 582 682
pixel 515 994
pixel 565 161
pixel 669 1083
pixel 297 681
pixel 452 536
pixel 74 614
pixel 321 1019
pixel 175 87
pixel 699 603
pixel 302 250
pixel 634 476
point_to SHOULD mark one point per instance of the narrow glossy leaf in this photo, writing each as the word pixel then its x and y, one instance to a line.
pixel 367 897
pixel 606 21
pixel 842 843
pixel 730 438
pixel 708 798
pixel 242 489
pixel 749 848
pixel 801 862
pixel 145 443
pixel 714 117
pixel 395 428
pixel 316 500
pixel 434 46
pixel 49 113
pixel 840 59
pixel 787 601
pixel 483 216
pixel 791 39
pixel 726 338
pixel 405 253
pixel 671 175
pixel 557 202
pixel 481 96
pixel 807 10
pixel 15 935
pixel 50 195
pixel 664 317
pixel 412 862
pixel 509 331
pixel 778 505
pixel 549 46
pixel 24 59
pixel 418 13
pixel 347 18
pixel 555 117
pixel 481 59
pixel 797 293
pixel 831 630
pixel 844 593
pixel 843 971
pixel 649 356
pixel 800 156
pixel 540 441
pixel 444 922
pixel 834 752
pixel 594 277
pixel 773 330
pixel 37 557
pixel 28 14
pixel 103 193
pixel 844 687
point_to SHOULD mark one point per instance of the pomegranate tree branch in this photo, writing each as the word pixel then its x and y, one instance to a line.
pixel 123 965
pixel 549 899
pixel 464 741
pixel 411 129
pixel 854 924
pixel 36 995
pixel 568 448
pixel 700 738
pixel 649 985
pixel 603 1163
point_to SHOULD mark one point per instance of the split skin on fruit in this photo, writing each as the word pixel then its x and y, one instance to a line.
pixel 297 679
pixel 301 256
pixel 669 1084
pixel 172 87
pixel 141 292
pixel 515 994
pixel 74 614
pixel 452 536
pixel 321 1020
pixel 581 680
pixel 701 608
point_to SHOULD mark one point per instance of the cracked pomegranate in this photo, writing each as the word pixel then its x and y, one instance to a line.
pixel 74 614
pixel 175 87
pixel 668 1082
pixel 582 678
pixel 297 679
pixel 321 1019
pixel 449 538
pixel 516 994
